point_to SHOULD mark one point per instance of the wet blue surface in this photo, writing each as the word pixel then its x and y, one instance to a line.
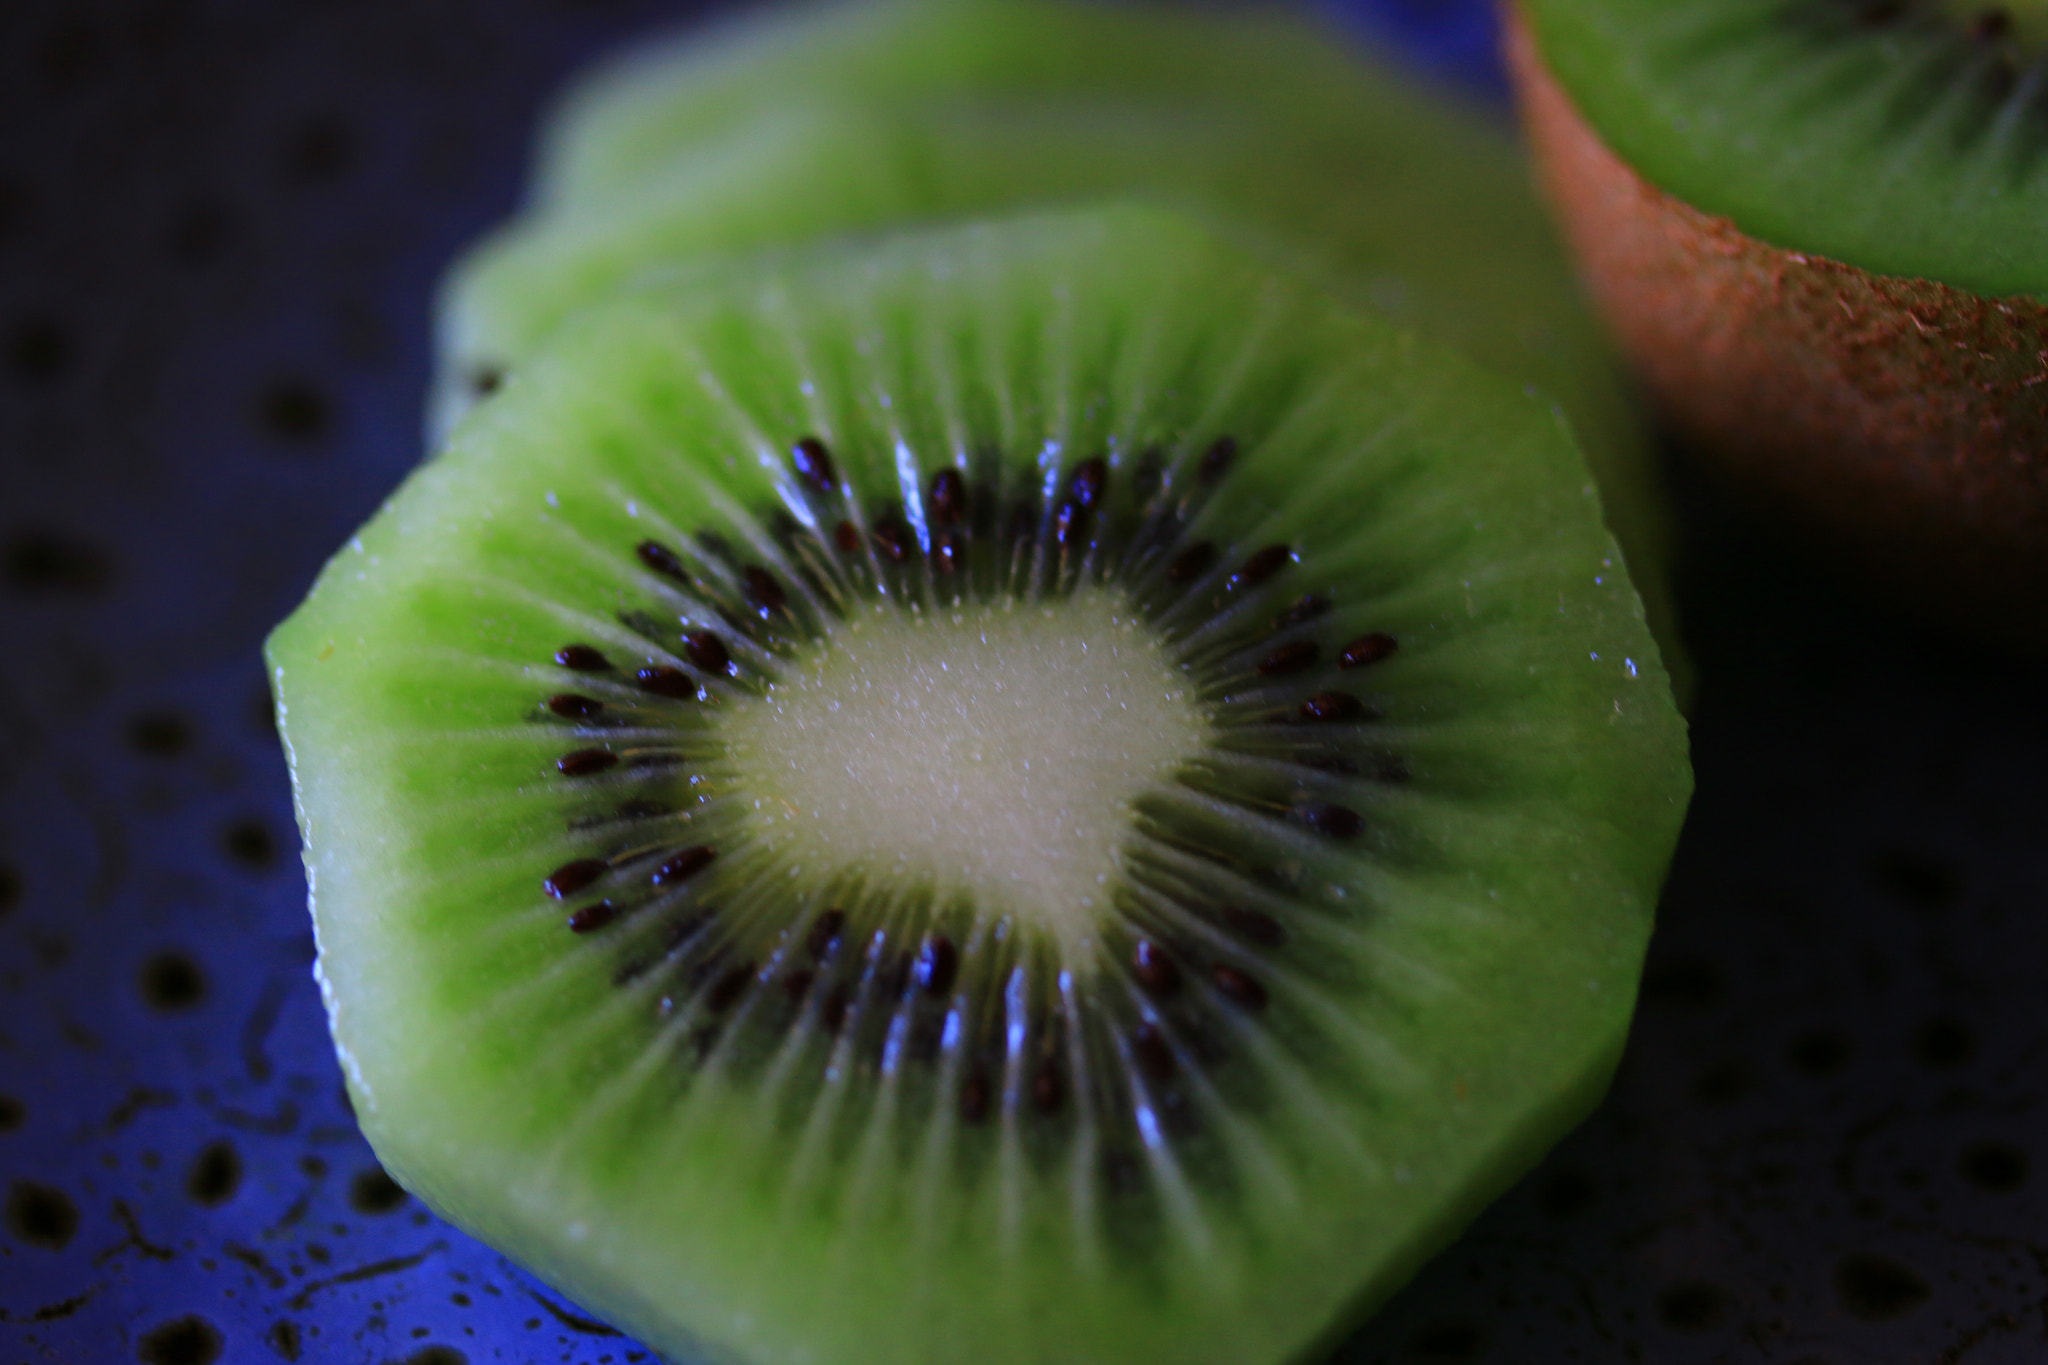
pixel 220 224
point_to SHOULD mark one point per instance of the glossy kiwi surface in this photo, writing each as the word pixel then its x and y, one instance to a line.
pixel 1037 792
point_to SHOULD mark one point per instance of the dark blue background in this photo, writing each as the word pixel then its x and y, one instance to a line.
pixel 220 223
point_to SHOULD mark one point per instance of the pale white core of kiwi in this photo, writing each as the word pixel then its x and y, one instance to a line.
pixel 992 750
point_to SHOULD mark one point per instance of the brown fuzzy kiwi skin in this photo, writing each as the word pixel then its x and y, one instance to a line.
pixel 1903 422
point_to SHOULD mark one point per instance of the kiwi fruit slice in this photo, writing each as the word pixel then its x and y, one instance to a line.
pixel 1821 229
pixel 1467 258
pixel 1036 791
pixel 629 115
pixel 906 110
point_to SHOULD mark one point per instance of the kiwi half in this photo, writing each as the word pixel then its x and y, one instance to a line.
pixel 1031 792
pixel 858 117
pixel 1821 229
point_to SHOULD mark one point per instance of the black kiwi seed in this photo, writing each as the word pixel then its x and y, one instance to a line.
pixel 949 551
pixel 1090 477
pixel 1066 521
pixel 833 1016
pixel 1366 649
pixel 1217 459
pixel 664 680
pixel 937 961
pixel 1237 986
pixel 593 917
pixel 893 540
pixel 1155 970
pixel 682 866
pixel 662 560
pixel 1154 1057
pixel 1293 657
pixel 1990 25
pixel 584 762
pixel 574 705
pixel 730 987
pixel 569 878
pixel 948 497
pixel 1260 567
pixel 1191 563
pixel 1303 610
pixel 582 658
pixel 847 537
pixel 763 592
pixel 824 934
pixel 706 650
pixel 814 464
pixel 1330 820
pixel 1333 706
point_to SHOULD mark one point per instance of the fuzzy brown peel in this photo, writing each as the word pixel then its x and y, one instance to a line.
pixel 1906 419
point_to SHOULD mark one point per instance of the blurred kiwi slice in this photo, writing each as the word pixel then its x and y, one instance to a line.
pixel 1035 791
pixel 796 125
pixel 1821 229
pixel 633 112
pixel 1465 256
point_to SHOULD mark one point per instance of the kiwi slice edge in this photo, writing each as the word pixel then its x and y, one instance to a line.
pixel 414 883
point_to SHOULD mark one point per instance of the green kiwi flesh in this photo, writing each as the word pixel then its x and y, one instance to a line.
pixel 1403 786
pixel 629 115
pixel 1902 137
pixel 864 116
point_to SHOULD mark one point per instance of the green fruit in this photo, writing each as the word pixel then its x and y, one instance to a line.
pixel 1466 258
pixel 1038 792
pixel 1891 136
pixel 868 116
pixel 1820 230
pixel 629 116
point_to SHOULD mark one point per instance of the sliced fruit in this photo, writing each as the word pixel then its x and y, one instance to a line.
pixel 628 116
pixel 1416 209
pixel 1037 792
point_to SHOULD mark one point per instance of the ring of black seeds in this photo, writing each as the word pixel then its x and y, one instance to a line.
pixel 1024 1039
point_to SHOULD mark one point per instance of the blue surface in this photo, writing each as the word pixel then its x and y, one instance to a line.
pixel 220 224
